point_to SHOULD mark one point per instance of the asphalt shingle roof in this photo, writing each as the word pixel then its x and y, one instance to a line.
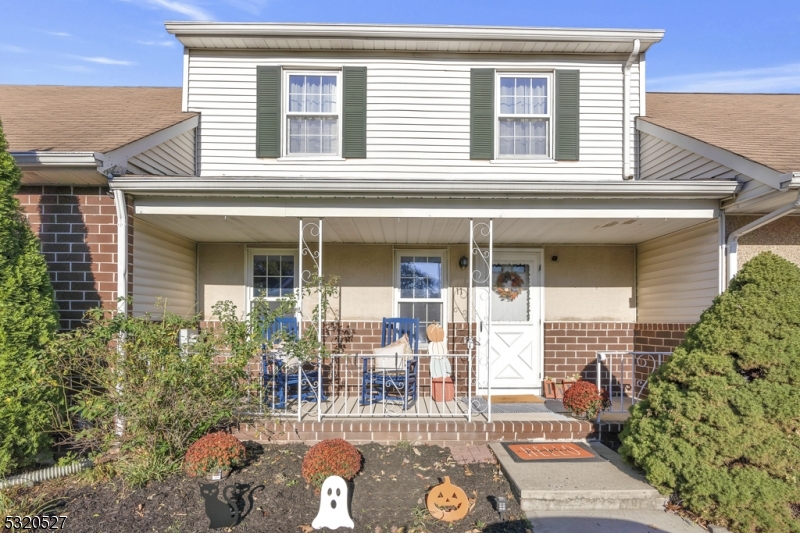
pixel 761 127
pixel 85 119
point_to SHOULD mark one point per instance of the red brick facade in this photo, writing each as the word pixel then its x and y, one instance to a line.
pixel 77 227
pixel 571 347
pixel 659 337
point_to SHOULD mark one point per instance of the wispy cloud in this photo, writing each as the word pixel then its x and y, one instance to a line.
pixel 253 7
pixel 104 60
pixel 12 48
pixel 181 7
pixel 165 42
pixel 56 33
pixel 781 78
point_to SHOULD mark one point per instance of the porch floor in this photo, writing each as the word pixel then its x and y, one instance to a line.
pixel 442 423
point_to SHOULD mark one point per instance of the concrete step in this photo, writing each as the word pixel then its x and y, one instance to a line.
pixel 578 485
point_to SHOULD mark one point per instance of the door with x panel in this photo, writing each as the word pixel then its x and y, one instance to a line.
pixel 515 359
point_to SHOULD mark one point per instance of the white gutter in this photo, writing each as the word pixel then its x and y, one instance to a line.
pixel 627 173
pixel 414 188
pixel 55 159
pixel 122 251
pixel 733 238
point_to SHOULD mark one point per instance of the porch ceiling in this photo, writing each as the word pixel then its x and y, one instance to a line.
pixel 425 231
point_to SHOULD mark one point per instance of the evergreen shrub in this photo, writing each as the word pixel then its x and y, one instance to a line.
pixel 28 321
pixel 720 427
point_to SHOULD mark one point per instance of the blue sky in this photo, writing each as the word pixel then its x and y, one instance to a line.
pixel 710 45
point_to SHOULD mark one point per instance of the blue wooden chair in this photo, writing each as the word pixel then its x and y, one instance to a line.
pixel 399 382
pixel 280 381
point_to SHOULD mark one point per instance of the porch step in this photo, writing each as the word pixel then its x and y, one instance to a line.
pixel 566 486
pixel 443 433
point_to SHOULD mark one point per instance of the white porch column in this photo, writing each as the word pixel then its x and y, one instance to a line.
pixel 480 309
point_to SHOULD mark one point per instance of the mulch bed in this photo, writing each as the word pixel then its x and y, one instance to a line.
pixel 388 496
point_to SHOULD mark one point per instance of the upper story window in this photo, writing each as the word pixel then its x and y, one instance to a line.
pixel 312 113
pixel 523 116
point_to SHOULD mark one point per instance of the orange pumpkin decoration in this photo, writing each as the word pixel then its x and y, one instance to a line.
pixel 447 502
pixel 435 332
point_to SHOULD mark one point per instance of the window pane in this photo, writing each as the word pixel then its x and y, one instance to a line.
pixel 273 287
pixel 260 265
pixel 510 293
pixel 420 277
pixel 273 265
pixel 313 135
pixel 287 265
pixel 259 282
pixel 522 137
pixel 287 284
pixel 329 94
pixel 523 96
pixel 426 312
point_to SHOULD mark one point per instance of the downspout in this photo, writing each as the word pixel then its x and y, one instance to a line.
pixel 733 238
pixel 627 173
pixel 122 251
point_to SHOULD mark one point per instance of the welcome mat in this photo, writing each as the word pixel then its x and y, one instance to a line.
pixel 527 452
pixel 480 405
pixel 522 398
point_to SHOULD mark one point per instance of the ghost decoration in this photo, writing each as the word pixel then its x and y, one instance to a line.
pixel 333 512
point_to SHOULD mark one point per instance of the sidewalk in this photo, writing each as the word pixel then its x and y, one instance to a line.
pixel 610 521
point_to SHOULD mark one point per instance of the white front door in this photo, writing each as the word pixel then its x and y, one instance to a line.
pixel 515 351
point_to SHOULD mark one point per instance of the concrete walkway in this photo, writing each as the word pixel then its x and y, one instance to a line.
pixel 610 521
pixel 570 485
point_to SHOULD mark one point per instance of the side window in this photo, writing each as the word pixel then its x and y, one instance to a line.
pixel 271 274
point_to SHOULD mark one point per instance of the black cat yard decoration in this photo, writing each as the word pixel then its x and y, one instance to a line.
pixel 221 514
pixel 230 512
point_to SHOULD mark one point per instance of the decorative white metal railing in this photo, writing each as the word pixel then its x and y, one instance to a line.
pixel 479 341
pixel 625 375
pixel 371 386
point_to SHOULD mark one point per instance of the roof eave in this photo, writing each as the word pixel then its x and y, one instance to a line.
pixel 226 186
pixel 41 158
pixel 279 31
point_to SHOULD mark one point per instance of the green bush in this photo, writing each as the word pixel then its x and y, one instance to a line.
pixel 721 424
pixel 128 384
pixel 28 320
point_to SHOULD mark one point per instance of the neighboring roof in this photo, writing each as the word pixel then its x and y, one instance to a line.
pixel 85 119
pixel 406 37
pixel 764 128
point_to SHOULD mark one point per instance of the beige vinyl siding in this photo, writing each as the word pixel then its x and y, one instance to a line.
pixel 417 117
pixel 661 160
pixel 174 157
pixel 678 274
pixel 164 267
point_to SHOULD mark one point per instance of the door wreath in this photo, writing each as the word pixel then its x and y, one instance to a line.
pixel 509 285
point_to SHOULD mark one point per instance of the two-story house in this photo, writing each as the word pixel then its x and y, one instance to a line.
pixel 518 180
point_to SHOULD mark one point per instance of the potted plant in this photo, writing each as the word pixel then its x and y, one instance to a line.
pixel 585 400
pixel 214 455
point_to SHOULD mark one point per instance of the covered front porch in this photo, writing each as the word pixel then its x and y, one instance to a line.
pixel 526 286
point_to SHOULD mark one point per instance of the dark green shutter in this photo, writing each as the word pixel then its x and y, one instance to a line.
pixel 481 114
pixel 354 116
pixel 568 96
pixel 268 112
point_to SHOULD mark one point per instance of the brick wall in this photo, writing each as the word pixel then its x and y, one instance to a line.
pixel 570 347
pixel 78 231
pixel 658 337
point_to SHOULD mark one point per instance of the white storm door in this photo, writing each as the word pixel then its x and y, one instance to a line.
pixel 515 361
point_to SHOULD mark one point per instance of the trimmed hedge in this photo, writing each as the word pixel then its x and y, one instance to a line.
pixel 721 425
pixel 28 320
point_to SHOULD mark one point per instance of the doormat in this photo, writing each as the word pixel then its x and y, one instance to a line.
pixel 522 398
pixel 558 452
pixel 480 405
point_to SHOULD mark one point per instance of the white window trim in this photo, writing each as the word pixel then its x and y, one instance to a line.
pixel 250 253
pixel 550 76
pixel 421 252
pixel 285 111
